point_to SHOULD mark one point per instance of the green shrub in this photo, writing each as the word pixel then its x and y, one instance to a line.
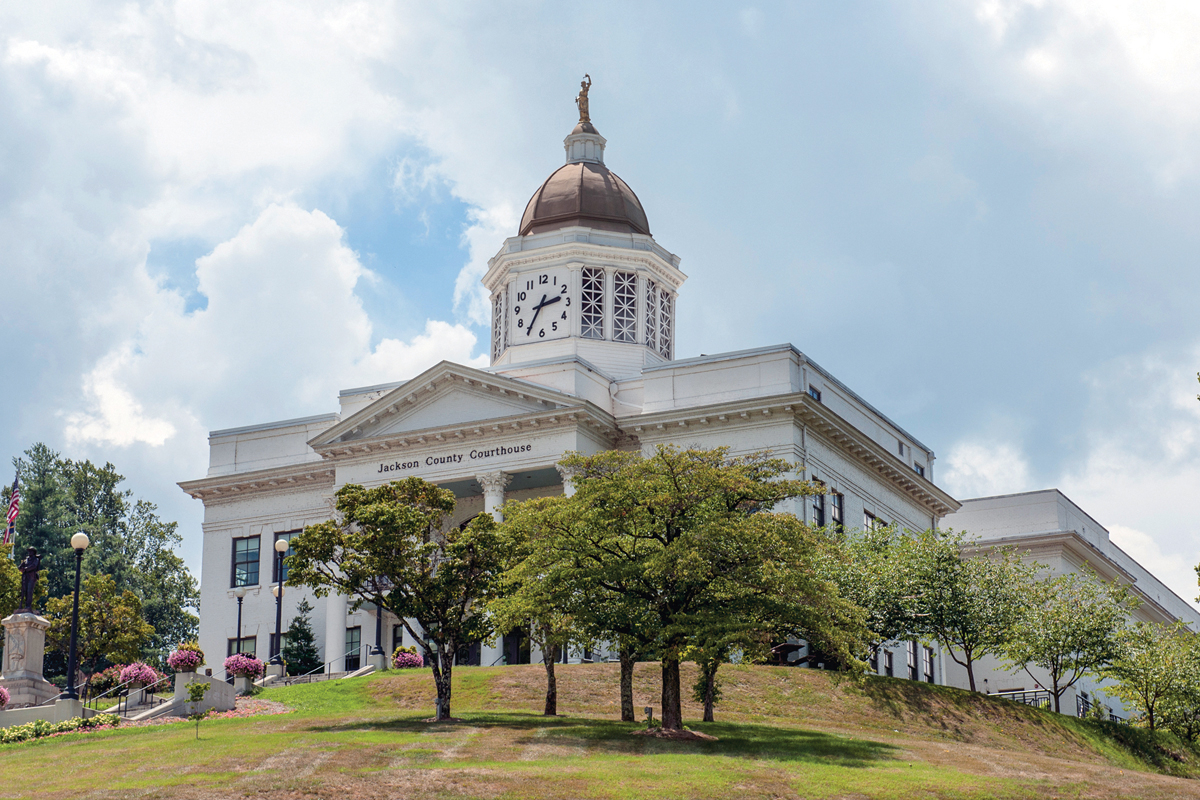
pixel 40 727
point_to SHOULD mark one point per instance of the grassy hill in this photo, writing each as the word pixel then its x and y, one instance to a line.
pixel 782 733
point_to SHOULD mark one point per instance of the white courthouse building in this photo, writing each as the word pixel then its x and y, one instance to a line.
pixel 583 358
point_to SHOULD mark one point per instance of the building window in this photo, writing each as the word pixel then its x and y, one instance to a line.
pixel 818 505
pixel 666 315
pixel 900 448
pixel 912 660
pixel 397 636
pixel 928 665
pixel 651 315
pixel 247 645
pixel 591 315
pixel 287 537
pixel 874 660
pixel 624 307
pixel 273 645
pixel 353 648
pixel 837 511
pixel 888 663
pixel 872 522
pixel 919 469
pixel 245 562
pixel 814 393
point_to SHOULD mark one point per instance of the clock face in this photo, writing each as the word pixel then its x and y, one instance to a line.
pixel 542 307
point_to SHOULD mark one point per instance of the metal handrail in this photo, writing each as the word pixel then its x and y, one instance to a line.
pixel 321 668
pixel 121 686
pixel 1038 699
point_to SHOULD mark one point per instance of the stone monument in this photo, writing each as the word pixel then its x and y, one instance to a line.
pixel 25 644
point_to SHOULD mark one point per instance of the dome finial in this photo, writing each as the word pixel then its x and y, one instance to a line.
pixel 581 99
pixel 585 142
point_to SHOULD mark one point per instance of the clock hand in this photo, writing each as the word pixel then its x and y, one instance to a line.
pixel 536 310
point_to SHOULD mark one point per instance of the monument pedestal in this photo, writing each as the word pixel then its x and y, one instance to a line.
pixel 24 646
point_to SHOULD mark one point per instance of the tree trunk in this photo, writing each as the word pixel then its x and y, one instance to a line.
pixel 970 672
pixel 628 659
pixel 710 689
pixel 549 656
pixel 441 678
pixel 672 712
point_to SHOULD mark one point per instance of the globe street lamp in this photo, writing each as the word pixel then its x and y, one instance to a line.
pixel 80 542
pixel 240 594
pixel 281 546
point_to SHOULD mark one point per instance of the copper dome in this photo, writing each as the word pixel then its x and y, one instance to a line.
pixel 584 193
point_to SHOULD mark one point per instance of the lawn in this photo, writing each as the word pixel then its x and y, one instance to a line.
pixel 784 733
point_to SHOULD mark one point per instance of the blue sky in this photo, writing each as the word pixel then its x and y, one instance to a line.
pixel 978 214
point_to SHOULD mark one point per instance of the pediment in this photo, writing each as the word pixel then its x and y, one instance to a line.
pixel 445 396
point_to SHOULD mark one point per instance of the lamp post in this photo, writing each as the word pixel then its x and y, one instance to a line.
pixel 240 594
pixel 281 546
pixel 378 649
pixel 80 542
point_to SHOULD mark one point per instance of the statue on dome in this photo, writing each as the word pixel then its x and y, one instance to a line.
pixel 582 99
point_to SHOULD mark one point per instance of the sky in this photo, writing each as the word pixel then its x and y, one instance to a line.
pixel 979 214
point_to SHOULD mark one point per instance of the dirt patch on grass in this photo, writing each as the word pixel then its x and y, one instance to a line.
pixel 675 736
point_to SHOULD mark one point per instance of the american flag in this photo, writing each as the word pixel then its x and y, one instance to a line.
pixel 14 508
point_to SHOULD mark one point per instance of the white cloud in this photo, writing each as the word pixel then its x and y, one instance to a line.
pixel 981 469
pixel 1172 568
pixel 282 332
pixel 116 418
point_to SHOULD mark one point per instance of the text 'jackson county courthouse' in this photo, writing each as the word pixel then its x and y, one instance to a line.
pixel 583 358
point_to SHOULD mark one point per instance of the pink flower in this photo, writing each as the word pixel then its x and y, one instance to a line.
pixel 184 660
pixel 137 671
pixel 3 697
pixel 244 665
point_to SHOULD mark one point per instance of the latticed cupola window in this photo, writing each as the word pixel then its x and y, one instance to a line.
pixel 666 315
pixel 624 306
pixel 651 315
pixel 504 321
pixel 592 304
pixel 497 325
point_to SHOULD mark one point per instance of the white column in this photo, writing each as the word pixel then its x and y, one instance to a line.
pixel 568 479
pixel 335 631
pixel 493 484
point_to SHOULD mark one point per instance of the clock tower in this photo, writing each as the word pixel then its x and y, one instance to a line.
pixel 584 277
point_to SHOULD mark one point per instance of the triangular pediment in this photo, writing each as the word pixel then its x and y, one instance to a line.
pixel 444 396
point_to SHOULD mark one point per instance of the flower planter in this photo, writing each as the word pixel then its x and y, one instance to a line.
pixel 136 694
pixel 243 684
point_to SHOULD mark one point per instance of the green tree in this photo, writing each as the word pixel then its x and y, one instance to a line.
pixel 111 627
pixel 1151 665
pixel 387 546
pixel 129 542
pixel 167 588
pixel 526 599
pixel 1180 709
pixel 299 645
pixel 1069 628
pixel 877 569
pixel 971 601
pixel 44 521
pixel 683 535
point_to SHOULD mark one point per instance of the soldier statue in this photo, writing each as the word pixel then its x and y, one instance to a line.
pixel 29 578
